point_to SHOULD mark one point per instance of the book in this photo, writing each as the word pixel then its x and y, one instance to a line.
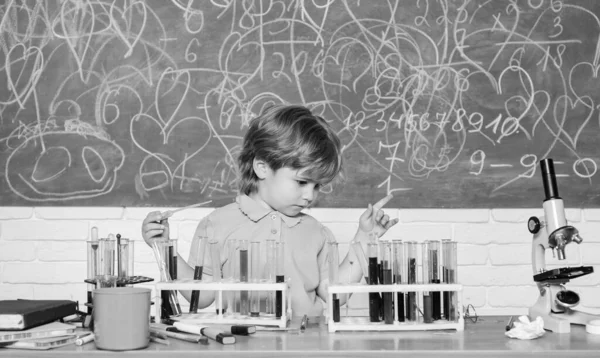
pixel 52 329
pixel 42 343
pixel 24 314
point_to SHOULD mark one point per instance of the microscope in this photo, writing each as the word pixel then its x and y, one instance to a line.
pixel 555 304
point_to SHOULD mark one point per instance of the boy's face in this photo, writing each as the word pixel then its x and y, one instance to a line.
pixel 287 191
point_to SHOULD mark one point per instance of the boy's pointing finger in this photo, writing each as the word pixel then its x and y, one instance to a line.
pixel 378 205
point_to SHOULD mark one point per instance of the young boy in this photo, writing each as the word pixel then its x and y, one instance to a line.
pixel 288 153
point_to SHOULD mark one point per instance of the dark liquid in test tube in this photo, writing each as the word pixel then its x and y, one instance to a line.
pixel 196 293
pixel 380 282
pixel 436 303
pixel 172 264
pixel 279 297
pixel 411 297
pixel 336 308
pixel 427 317
pixel 166 306
pixel 388 298
pixel 374 297
pixel 446 296
pixel 400 297
pixel 244 301
pixel 435 295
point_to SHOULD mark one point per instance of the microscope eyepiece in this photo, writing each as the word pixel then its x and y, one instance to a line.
pixel 549 179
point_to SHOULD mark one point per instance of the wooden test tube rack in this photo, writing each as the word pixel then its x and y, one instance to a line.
pixel 220 287
pixel 363 323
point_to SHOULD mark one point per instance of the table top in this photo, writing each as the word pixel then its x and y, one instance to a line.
pixel 485 338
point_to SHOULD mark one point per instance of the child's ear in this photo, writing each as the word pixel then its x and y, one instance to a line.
pixel 260 167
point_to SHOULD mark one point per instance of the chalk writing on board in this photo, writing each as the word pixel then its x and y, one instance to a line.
pixel 445 103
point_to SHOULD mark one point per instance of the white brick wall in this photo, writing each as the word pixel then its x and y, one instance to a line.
pixel 43 252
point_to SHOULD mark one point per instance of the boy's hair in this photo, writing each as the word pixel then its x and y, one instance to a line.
pixel 289 136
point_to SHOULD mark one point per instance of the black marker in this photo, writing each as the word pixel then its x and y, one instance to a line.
pixel 238 330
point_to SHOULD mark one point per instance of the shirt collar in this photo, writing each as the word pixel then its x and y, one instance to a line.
pixel 255 211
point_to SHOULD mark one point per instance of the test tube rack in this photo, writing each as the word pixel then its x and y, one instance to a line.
pixel 363 323
pixel 220 287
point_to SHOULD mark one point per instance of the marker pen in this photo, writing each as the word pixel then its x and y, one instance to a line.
pixel 210 332
pixel 240 330
pixel 84 339
pixel 173 332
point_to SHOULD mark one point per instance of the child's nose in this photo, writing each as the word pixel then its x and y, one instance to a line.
pixel 309 193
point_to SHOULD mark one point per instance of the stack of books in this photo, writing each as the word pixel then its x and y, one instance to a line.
pixel 32 324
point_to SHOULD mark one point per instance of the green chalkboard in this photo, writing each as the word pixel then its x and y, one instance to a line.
pixel 444 103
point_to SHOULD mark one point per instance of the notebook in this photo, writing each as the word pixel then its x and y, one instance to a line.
pixel 24 314
pixel 52 329
pixel 42 343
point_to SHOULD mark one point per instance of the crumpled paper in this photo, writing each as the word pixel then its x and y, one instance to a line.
pixel 525 329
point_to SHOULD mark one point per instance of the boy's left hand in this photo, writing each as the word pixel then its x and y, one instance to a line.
pixel 375 220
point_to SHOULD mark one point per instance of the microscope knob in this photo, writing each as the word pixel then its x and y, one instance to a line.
pixel 534 225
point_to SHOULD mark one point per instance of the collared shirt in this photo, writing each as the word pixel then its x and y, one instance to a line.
pixel 305 258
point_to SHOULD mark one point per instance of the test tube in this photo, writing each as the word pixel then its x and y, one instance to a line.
pixel 107 256
pixel 167 255
pixel 279 276
pixel 244 304
pixel 232 273
pixel 410 250
pixel 399 276
pixel 215 257
pixel 334 276
pixel 125 254
pixel 199 267
pixel 386 269
pixel 255 278
pixel 449 276
pixel 356 246
pixel 270 264
pixel 119 258
pixel 434 277
pixel 425 272
pixel 170 256
pixel 92 265
pixel 374 297
pixel 106 277
pixel 172 250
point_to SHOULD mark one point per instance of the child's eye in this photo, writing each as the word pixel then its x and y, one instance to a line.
pixel 302 182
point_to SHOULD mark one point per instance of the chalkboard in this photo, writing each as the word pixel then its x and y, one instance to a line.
pixel 447 104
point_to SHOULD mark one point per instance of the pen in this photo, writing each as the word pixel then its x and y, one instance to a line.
pixel 509 324
pixel 177 334
pixel 212 333
pixel 81 340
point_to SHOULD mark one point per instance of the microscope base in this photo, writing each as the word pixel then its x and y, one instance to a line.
pixel 557 322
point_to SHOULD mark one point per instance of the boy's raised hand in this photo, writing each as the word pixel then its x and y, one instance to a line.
pixel 152 228
pixel 375 220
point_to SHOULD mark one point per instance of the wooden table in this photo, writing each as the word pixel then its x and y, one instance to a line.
pixel 482 339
